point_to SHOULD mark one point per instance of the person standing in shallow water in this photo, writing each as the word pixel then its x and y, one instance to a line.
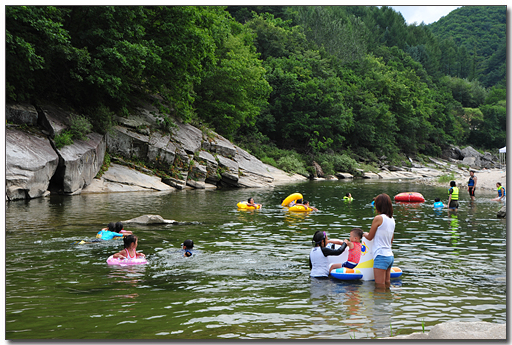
pixel 382 232
pixel 472 184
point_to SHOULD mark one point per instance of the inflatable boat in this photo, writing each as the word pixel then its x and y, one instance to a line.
pixel 364 269
pixel 409 197
pixel 292 197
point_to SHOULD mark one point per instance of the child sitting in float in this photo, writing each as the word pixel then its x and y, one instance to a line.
pixel 109 232
pixel 250 202
pixel 129 251
pixel 354 245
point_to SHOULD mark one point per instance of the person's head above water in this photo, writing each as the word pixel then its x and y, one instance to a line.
pixel 119 226
pixel 188 244
pixel 452 184
pixel 128 240
pixel 111 227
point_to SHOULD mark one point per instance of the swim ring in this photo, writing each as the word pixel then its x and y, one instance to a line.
pixel 347 273
pixel 395 272
pixel 300 208
pixel 290 198
pixel 409 197
pixel 365 265
pixel 125 262
pixel 243 205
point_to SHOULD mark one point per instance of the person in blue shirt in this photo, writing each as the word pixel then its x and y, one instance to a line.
pixel 438 203
pixel 109 233
pixel 501 192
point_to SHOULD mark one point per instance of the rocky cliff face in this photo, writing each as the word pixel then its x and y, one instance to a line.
pixel 191 158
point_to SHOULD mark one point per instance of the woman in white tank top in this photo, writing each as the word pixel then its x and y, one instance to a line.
pixel 382 233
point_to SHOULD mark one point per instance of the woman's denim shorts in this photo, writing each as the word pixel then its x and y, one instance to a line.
pixel 383 262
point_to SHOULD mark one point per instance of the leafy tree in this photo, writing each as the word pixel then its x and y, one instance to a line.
pixel 233 92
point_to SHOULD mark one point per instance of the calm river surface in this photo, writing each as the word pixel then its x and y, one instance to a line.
pixel 249 278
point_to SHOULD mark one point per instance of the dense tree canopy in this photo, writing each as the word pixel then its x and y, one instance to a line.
pixel 314 79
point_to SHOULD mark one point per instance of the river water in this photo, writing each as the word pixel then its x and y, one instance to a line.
pixel 249 277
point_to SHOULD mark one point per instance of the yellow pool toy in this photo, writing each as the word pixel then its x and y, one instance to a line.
pixel 300 208
pixel 290 198
pixel 243 205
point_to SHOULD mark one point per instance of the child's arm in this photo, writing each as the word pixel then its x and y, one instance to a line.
pixel 140 255
pixel 349 244
pixel 119 255
pixel 335 241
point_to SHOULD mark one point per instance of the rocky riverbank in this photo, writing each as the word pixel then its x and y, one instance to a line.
pixel 145 158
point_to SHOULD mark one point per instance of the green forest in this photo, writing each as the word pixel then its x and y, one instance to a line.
pixel 290 84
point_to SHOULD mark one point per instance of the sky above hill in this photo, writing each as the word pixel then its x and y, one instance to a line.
pixel 426 14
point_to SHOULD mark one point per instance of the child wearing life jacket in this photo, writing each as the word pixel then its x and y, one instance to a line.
pixel 501 192
pixel 348 197
pixel 129 251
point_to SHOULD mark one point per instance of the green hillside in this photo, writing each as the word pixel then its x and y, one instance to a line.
pixel 482 31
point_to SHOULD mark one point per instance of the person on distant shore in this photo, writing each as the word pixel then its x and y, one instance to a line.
pixel 472 184
pixel 453 196
pixel 382 232
pixel 501 192
pixel 129 251
pixel 318 257
pixel 120 229
pixel 109 232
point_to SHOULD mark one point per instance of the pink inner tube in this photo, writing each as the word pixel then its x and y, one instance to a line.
pixel 125 262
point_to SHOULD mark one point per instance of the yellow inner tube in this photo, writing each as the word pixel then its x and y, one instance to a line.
pixel 300 208
pixel 243 205
pixel 290 198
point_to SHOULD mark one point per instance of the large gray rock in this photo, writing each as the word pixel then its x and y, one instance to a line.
pixel 148 219
pixel 502 213
pixel 472 162
pixel 209 160
pixel 30 163
pixel 126 179
pixel 470 152
pixel 53 119
pixel 127 143
pixel 344 175
pixel 21 114
pixel 188 136
pixel 197 175
pixel 80 162
pixel 161 150
pixel 223 147
pixel 229 170
pixel 461 330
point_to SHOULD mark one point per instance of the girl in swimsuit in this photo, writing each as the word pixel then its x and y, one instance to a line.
pixel 129 251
